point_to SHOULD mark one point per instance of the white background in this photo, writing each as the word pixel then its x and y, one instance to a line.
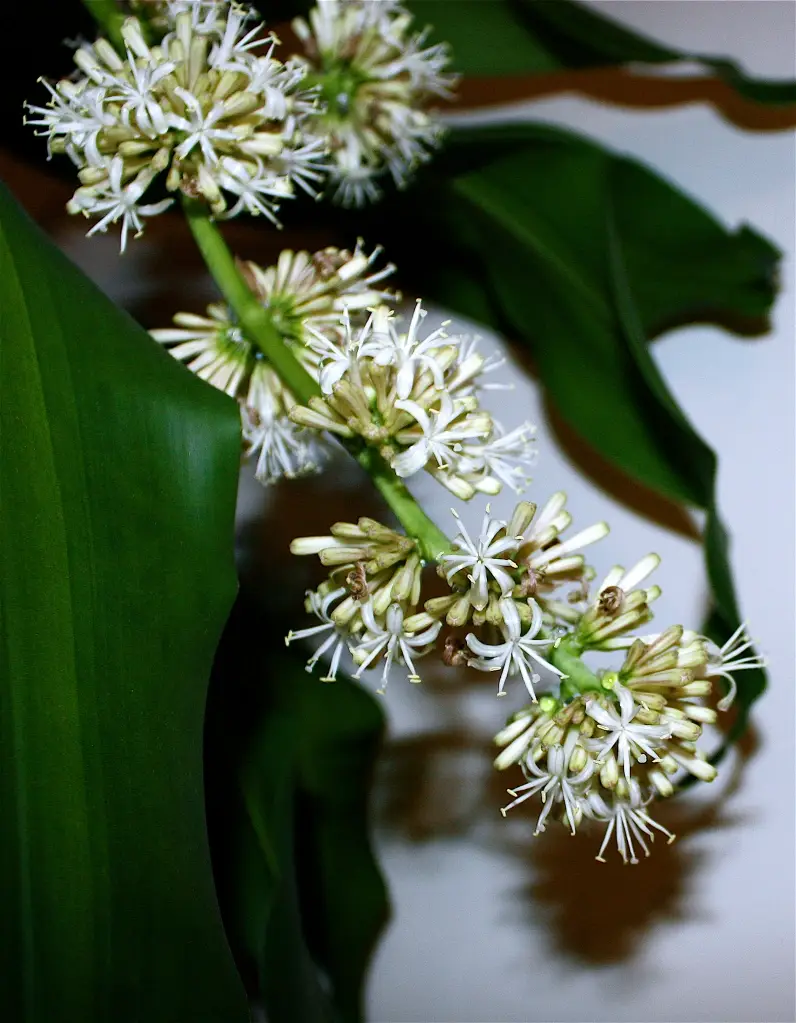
pixel 492 925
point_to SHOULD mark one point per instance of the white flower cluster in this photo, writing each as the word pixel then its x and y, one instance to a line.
pixel 201 107
pixel 375 581
pixel 304 294
pixel 377 79
pixel 414 396
pixel 605 754
pixel 376 577
pixel 596 747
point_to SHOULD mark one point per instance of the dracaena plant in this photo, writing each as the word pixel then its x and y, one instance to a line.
pixel 196 105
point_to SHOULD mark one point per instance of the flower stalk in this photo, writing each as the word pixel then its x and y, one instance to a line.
pixel 258 325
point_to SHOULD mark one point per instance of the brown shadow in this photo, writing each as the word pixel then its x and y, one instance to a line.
pixel 599 913
pixel 625 88
pixel 615 482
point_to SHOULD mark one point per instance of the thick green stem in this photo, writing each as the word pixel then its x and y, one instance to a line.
pixel 259 328
pixel 566 657
pixel 432 541
pixel 109 18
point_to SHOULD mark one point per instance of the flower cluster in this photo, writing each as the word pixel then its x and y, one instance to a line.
pixel 598 747
pixel 376 577
pixel 414 396
pixel 377 79
pixel 606 753
pixel 304 295
pixel 209 107
pixel 375 581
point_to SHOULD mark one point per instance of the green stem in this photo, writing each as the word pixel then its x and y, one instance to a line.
pixel 259 328
pixel 109 18
pixel 432 541
pixel 253 317
pixel 566 657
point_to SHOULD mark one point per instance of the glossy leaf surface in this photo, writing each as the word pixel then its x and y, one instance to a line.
pixel 118 475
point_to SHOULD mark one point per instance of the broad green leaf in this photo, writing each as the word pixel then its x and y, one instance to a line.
pixel 724 617
pixel 580 253
pixel 516 37
pixel 251 785
pixel 309 902
pixel 343 892
pixel 118 476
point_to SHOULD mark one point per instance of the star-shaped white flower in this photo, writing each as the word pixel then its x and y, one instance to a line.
pixel 555 784
pixel 337 640
pixel 633 741
pixel 282 449
pixel 201 127
pixel 442 434
pixel 516 653
pixel 504 456
pixel 115 201
pixel 481 558
pixel 336 360
pixel 257 188
pixel 727 659
pixel 407 352
pixel 628 818
pixel 392 641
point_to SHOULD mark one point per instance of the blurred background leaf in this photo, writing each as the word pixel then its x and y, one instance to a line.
pixel 290 767
pixel 118 478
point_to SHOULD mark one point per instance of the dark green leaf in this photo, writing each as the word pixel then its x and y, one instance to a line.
pixel 344 895
pixel 118 479
pixel 311 892
pixel 252 734
pixel 510 37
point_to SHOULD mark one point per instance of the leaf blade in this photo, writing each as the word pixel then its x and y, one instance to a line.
pixel 103 771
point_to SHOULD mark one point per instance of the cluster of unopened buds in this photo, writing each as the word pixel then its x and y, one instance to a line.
pixel 196 96
pixel 209 109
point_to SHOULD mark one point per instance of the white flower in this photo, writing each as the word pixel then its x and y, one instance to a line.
pixel 304 163
pixel 513 655
pixel 481 560
pixel 258 189
pixel 555 784
pixel 336 361
pixel 377 80
pixel 471 366
pixel 281 448
pixel 633 741
pixel 442 433
pixel 199 105
pixel 407 353
pixel 201 127
pixel 113 201
pixel 628 818
pixel 504 456
pixel 337 640
pixel 727 659
pixel 392 641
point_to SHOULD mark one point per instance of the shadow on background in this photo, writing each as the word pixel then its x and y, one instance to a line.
pixel 625 88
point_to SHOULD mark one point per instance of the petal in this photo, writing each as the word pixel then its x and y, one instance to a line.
pixel 412 460
pixel 511 617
